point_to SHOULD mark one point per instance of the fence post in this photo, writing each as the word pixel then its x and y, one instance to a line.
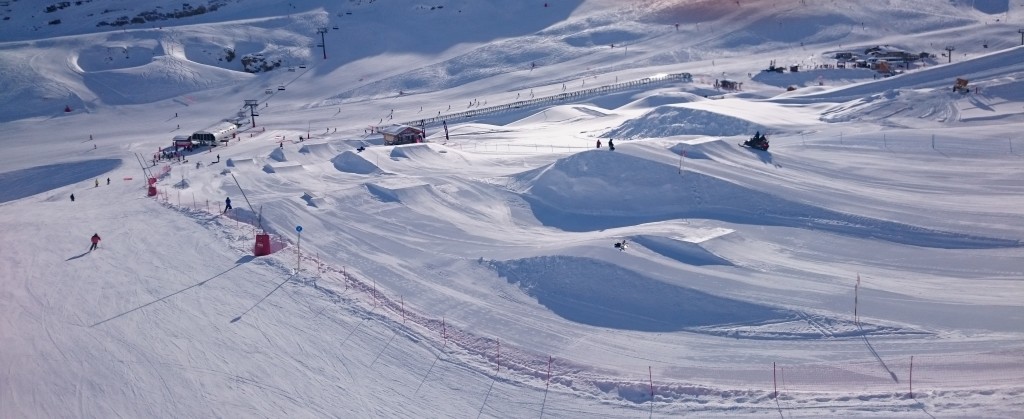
pixel 775 382
pixel 547 381
pixel 650 378
pixel 911 376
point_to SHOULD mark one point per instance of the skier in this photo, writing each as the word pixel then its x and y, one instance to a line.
pixel 72 197
pixel 598 143
pixel 97 183
pixel 227 204
pixel 108 181
pixel 611 145
pixel 95 241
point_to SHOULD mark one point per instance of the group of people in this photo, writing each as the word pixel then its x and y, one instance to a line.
pixel 611 144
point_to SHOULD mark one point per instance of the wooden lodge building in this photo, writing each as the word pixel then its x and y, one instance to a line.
pixel 401 134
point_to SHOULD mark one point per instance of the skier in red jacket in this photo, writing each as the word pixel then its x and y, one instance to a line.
pixel 95 241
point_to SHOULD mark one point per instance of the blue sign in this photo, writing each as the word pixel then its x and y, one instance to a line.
pixel 298 228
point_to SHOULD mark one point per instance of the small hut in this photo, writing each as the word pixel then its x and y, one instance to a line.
pixel 401 134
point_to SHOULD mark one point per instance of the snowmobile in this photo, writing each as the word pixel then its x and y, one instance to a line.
pixel 758 141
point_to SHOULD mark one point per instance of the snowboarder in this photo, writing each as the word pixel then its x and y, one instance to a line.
pixel 227 204
pixel 72 197
pixel 95 241
pixel 611 145
pixel 598 143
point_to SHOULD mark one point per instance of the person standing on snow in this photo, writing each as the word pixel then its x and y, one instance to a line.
pixel 227 204
pixel 611 145
pixel 598 143
pixel 108 181
pixel 72 197
pixel 95 241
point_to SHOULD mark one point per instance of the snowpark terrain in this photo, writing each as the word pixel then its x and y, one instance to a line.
pixel 869 264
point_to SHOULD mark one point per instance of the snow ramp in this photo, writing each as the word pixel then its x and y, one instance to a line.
pixel 278 155
pixel 404 191
pixel 282 168
pixel 240 162
pixel 688 250
pixel 314 200
pixel 350 162
pixel 322 150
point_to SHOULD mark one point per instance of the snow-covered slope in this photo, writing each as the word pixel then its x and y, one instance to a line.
pixel 877 241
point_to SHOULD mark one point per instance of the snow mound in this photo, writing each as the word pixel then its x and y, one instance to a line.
pixel 694 149
pixel 563 114
pixel 350 162
pixel 601 294
pixel 662 99
pixel 670 120
pixel 398 190
pixel 596 190
pixel 597 293
pixel 278 155
pixel 413 151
